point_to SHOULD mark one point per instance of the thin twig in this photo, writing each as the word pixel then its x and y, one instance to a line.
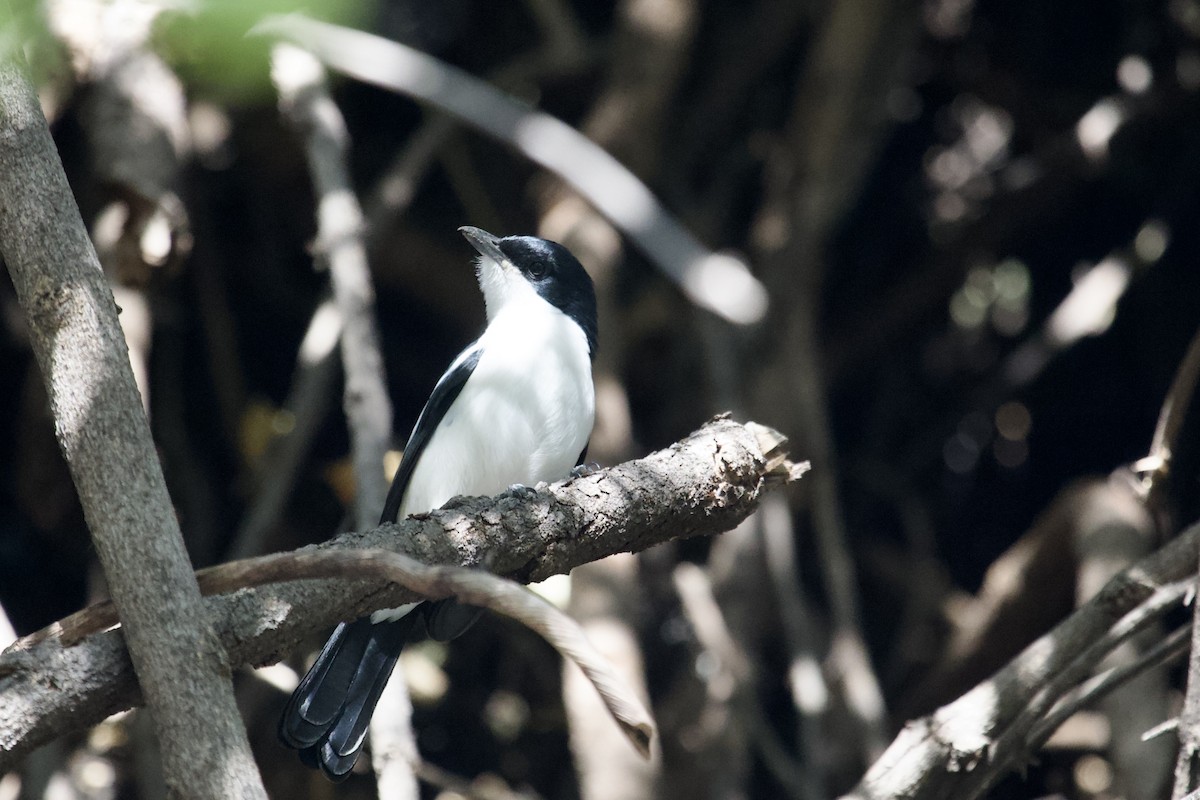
pixel 605 767
pixel 1187 766
pixel 1087 310
pixel 810 692
pixel 1162 653
pixel 394 743
pixel 1104 544
pixel 708 623
pixel 473 587
pixel 306 103
pixel 470 586
pixel 833 133
pixel 393 193
pixel 848 647
pixel 720 283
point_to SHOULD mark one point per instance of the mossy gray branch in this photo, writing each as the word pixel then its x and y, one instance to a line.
pixel 705 484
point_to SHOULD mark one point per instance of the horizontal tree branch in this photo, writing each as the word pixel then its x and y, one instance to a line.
pixel 707 483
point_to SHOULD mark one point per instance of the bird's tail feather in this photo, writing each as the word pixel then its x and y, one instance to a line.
pixel 328 714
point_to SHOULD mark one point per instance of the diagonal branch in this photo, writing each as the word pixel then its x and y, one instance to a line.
pixel 704 484
pixel 1164 652
pixel 966 746
pixel 1187 763
pixel 105 438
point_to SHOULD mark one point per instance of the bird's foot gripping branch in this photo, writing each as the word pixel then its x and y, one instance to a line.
pixel 75 673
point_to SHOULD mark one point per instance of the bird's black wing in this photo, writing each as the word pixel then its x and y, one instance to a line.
pixel 444 395
pixel 327 717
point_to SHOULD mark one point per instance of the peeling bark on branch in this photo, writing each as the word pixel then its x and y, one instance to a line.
pixel 705 484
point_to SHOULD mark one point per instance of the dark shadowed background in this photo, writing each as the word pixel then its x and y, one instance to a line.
pixel 979 227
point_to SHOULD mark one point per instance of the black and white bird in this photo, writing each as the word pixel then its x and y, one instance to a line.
pixel 514 408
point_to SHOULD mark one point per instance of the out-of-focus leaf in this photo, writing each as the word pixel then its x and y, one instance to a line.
pixel 206 43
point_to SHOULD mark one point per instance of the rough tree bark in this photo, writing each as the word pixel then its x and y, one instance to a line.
pixel 1187 764
pixel 966 746
pixel 180 663
pixel 52 682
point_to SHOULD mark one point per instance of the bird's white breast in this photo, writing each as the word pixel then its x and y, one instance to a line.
pixel 523 416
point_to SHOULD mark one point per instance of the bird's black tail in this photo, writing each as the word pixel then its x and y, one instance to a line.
pixel 327 717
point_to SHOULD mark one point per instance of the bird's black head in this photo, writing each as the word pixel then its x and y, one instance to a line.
pixel 553 272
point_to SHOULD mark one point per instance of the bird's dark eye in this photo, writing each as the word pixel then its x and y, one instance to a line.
pixel 538 269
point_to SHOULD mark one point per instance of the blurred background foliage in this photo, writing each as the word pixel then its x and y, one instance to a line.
pixel 209 44
pixel 978 224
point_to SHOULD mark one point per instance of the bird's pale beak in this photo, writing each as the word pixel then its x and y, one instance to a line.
pixel 484 242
